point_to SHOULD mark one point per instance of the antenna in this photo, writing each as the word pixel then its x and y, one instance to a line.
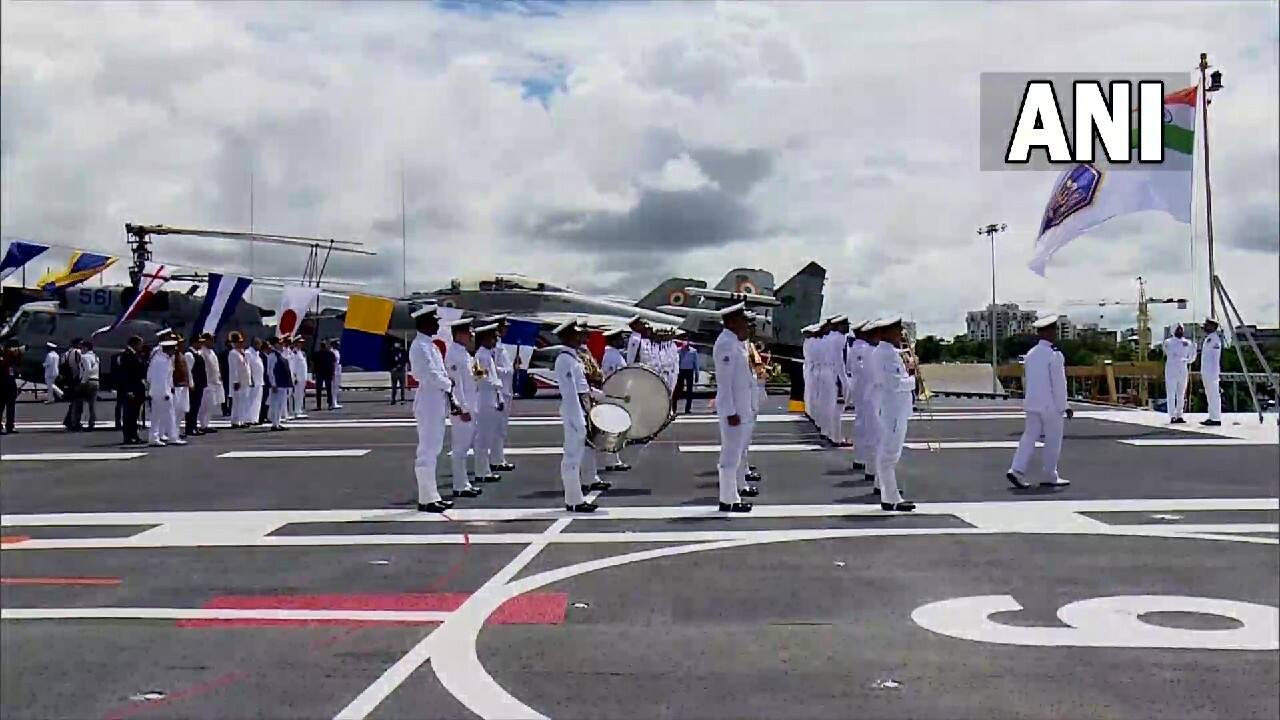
pixel 251 242
pixel 404 239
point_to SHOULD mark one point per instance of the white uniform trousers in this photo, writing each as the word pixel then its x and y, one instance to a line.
pixel 430 443
pixel 1050 424
pixel 242 409
pixel 499 454
pixel 276 403
pixel 843 407
pixel 337 387
pixel 488 439
pixel 300 397
pixel 866 432
pixel 51 386
pixel 254 410
pixel 163 427
pixel 1175 383
pixel 749 420
pixel 1213 393
pixel 733 448
pixel 573 460
pixel 824 399
pixel 808 390
pixel 462 436
pixel 894 415
pixel 211 399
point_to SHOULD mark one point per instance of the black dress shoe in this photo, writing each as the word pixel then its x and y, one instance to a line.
pixel 432 507
pixel 1211 423
pixel 490 478
pixel 903 506
pixel 582 507
pixel 754 476
pixel 468 493
pixel 870 477
pixel 738 507
pixel 749 492
pixel 618 467
pixel 1016 481
pixel 751 468
pixel 1177 421
pixel 600 485
pixel 875 491
pixel 503 467
pixel 858 466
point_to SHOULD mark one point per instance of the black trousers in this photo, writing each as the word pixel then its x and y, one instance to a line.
pixel 9 405
pixel 397 381
pixel 132 407
pixel 193 413
pixel 324 385
pixel 684 388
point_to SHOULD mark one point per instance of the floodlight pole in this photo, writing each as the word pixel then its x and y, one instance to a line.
pixel 990 231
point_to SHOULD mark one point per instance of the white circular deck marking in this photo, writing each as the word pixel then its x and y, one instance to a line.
pixel 1106 622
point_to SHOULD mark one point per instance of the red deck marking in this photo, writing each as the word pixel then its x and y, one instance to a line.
pixel 530 609
pixel 59 581
pixel 11 539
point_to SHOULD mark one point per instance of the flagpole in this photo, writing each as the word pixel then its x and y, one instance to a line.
pixel 251 242
pixel 404 240
pixel 1208 188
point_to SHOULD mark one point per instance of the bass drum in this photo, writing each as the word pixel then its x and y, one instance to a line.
pixel 645 397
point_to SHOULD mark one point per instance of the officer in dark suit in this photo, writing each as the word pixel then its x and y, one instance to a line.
pixel 130 380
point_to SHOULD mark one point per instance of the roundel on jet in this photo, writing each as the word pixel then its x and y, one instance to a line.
pixel 677 297
pixel 745 286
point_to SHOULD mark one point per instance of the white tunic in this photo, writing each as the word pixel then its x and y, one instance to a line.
pixel 160 377
pixel 571 378
pixel 1045 380
pixel 458 365
pixel 612 361
pixel 51 365
pixel 1179 353
pixel 735 383
pixel 506 371
pixel 490 386
pixel 238 372
pixel 431 400
pixel 1211 355
pixel 256 369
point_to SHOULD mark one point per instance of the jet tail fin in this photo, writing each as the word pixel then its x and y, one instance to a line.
pixel 671 292
pixel 801 298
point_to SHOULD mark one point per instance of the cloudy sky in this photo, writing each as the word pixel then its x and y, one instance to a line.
pixel 608 146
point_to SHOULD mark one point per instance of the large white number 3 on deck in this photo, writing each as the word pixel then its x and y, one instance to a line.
pixel 1106 622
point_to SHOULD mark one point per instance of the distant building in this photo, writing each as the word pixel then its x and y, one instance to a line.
pixel 1011 321
pixel 1066 329
pixel 1093 332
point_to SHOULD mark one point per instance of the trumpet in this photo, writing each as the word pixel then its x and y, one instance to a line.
pixel 478 370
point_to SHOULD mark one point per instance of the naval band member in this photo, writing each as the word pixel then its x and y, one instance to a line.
pixel 507 374
pixel 578 461
pixel 735 404
pixel 462 427
pixel 430 407
pixel 893 386
pixel 613 361
pixel 490 403
pixel 1045 401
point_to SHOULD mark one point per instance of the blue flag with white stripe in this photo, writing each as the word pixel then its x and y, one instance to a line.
pixel 220 298
pixel 20 253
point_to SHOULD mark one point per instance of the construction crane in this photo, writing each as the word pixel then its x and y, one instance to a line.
pixel 1144 312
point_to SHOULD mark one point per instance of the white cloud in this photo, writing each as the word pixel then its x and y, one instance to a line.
pixel 844 133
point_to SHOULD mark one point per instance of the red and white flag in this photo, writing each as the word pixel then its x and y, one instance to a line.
pixel 294 301
pixel 154 276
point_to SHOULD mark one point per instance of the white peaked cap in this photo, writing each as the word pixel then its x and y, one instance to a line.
pixel 836 320
pixel 574 323
pixel 51 345
pixel 163 332
pixel 738 308
pixel 487 328
pixel 169 343
pixel 809 328
pixel 425 310
pixel 861 326
pixel 1045 321
pixel 461 322
pixel 615 331
pixel 634 319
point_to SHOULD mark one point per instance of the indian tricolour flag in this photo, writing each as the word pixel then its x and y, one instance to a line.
pixel 1086 196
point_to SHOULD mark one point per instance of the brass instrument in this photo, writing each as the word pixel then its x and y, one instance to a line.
pixel 757 362
pixel 591 368
pixel 478 370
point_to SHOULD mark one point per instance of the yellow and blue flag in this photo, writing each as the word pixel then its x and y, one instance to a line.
pixel 364 335
pixel 81 267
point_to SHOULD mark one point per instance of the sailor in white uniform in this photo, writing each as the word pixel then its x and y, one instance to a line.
pixel 1211 371
pixel 845 333
pixel 836 348
pixel 1045 401
pixel 736 400
pixel 489 403
pixel 462 426
pixel 1179 353
pixel 298 367
pixel 213 393
pixel 806 354
pixel 507 374
pixel 613 361
pixel 824 380
pixel 257 372
pixel 241 379
pixel 51 360
pixel 577 464
pixel 164 430
pixel 430 407
pixel 335 346
pixel 893 387
pixel 636 340
pixel 866 422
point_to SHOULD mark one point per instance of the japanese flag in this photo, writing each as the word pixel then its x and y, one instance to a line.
pixel 294 302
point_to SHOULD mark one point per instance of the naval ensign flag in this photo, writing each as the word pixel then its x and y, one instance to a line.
pixel 220 299
pixel 1086 195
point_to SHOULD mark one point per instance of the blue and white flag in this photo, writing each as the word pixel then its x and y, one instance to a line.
pixel 20 253
pixel 220 298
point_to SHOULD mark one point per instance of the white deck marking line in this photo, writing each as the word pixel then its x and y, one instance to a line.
pixel 32 457
pixel 147 613
pixel 1193 442
pixel 780 447
pixel 458 677
pixel 261 454
pixel 964 445
pixel 557 450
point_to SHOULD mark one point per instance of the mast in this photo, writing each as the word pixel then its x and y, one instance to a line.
pixel 404 241
pixel 1208 188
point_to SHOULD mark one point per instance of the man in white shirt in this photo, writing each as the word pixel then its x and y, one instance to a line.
pixel 806 354
pixel 507 374
pixel 866 422
pixel 257 373
pixel 430 407
pixel 736 400
pixel 89 381
pixel 1045 401
pixel 51 360
pixel 164 430
pixel 462 426
pixel 298 366
pixel 577 463
pixel 824 381
pixel 893 386
pixel 1179 353
pixel 241 378
pixel 213 392
pixel 636 340
pixel 837 354
pixel 1211 371
pixel 336 348
pixel 489 403
pixel 613 361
